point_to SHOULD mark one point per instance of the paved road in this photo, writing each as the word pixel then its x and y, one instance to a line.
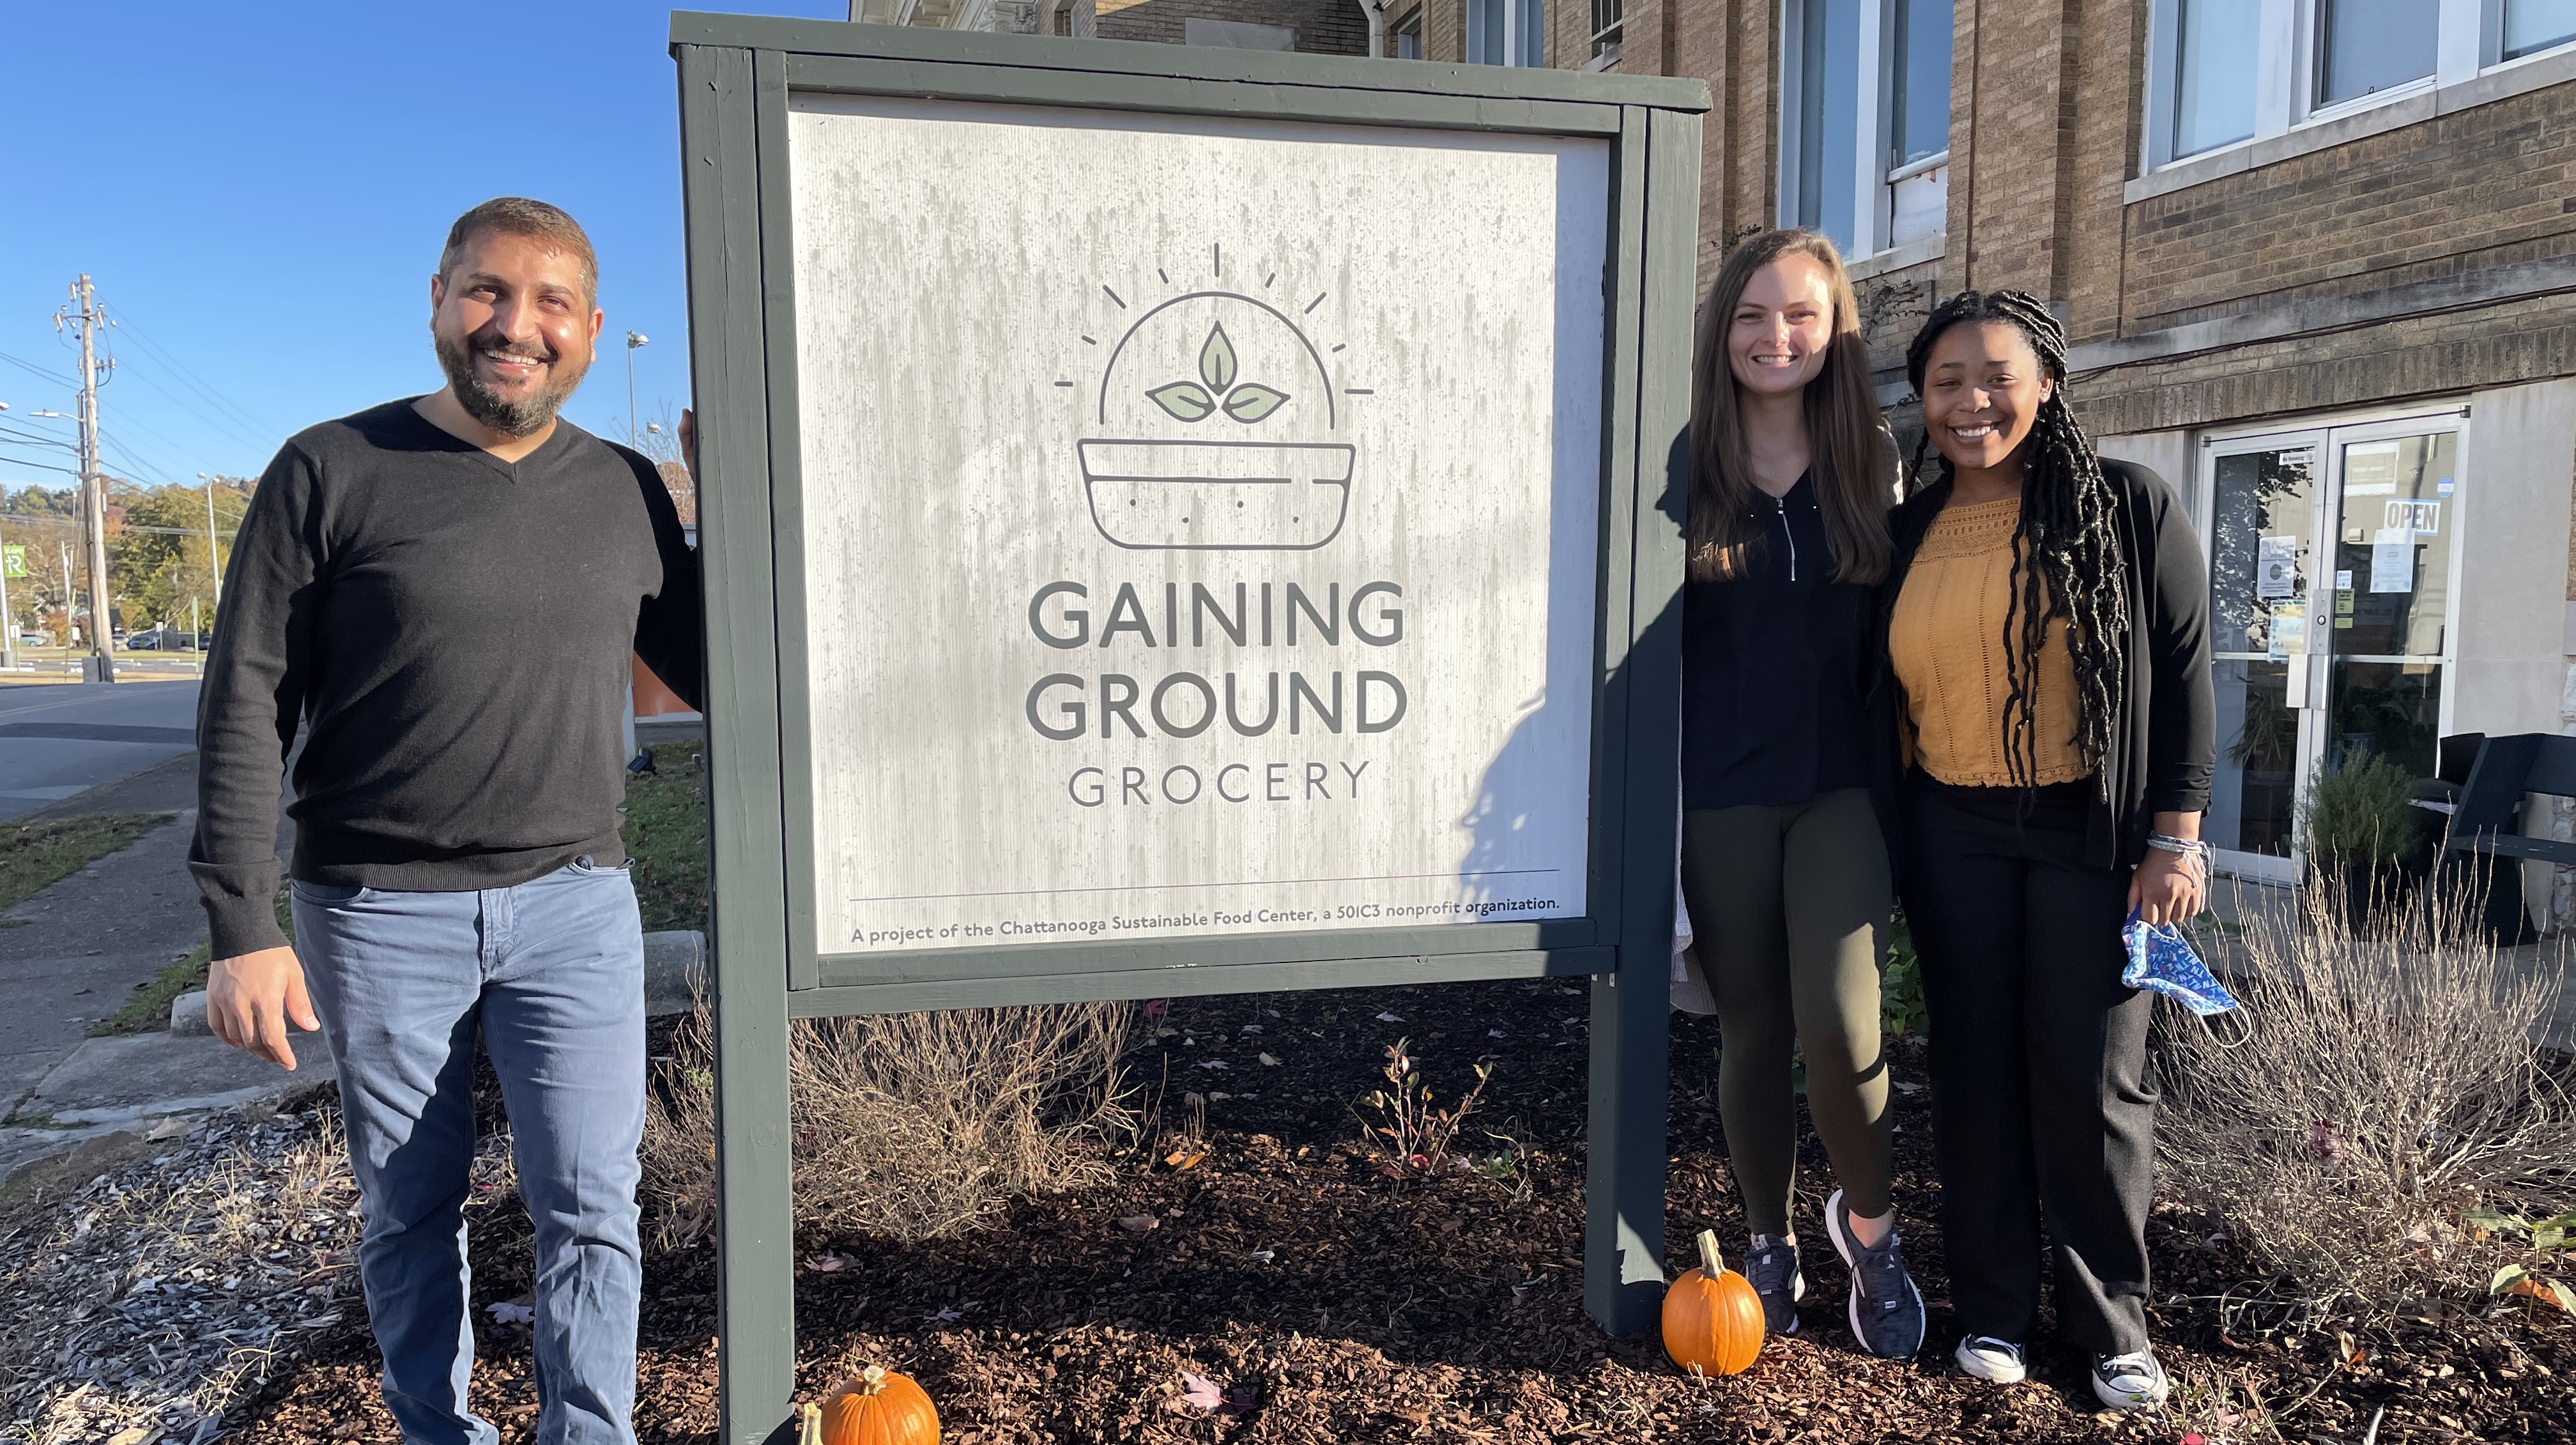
pixel 57 739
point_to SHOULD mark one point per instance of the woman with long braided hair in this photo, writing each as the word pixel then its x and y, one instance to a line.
pixel 2047 625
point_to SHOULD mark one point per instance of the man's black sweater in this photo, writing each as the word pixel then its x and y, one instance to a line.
pixel 453 631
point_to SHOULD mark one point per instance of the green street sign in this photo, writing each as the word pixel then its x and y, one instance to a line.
pixel 13 562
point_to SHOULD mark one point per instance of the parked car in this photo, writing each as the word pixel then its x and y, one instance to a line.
pixel 166 639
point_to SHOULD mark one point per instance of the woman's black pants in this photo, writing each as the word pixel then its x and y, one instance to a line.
pixel 2041 1104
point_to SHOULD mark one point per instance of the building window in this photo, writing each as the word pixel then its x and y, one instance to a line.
pixel 1919 118
pixel 2367 46
pixel 1507 32
pixel 2213 81
pixel 2224 72
pixel 1828 74
pixel 2531 26
pixel 1408 36
pixel 1865 120
pixel 1609 19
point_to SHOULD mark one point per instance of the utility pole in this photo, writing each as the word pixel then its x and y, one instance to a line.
pixel 100 665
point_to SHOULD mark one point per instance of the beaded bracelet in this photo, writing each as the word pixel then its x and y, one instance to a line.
pixel 2193 849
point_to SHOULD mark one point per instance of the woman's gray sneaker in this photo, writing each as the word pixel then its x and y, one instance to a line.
pixel 2133 1381
pixel 1997 1362
pixel 1886 1308
pixel 1771 1266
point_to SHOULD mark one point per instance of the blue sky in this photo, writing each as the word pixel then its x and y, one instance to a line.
pixel 259 192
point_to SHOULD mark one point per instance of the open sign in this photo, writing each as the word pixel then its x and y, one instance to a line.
pixel 2424 519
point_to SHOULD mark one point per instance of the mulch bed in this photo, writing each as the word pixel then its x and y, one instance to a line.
pixel 1332 1304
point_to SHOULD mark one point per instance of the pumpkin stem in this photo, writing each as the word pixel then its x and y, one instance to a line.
pixel 813 1423
pixel 872 1381
pixel 1709 1262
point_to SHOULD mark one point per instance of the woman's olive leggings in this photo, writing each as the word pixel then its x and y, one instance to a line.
pixel 1790 910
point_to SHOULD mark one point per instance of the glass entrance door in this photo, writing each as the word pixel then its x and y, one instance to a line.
pixel 2389 635
pixel 2331 563
pixel 2263 527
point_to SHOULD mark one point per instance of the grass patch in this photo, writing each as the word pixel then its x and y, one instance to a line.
pixel 666 835
pixel 36 856
pixel 148 1011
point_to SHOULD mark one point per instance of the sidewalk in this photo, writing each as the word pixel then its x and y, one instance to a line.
pixel 71 955
pixel 2238 902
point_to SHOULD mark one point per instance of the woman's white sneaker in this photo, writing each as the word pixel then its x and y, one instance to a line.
pixel 2133 1381
pixel 1997 1362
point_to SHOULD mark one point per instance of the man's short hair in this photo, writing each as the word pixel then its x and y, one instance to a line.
pixel 519 216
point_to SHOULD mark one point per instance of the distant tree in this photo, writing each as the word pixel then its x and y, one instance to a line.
pixel 158 559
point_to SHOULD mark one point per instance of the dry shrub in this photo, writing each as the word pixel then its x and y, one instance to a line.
pixel 2370 1091
pixel 913 1126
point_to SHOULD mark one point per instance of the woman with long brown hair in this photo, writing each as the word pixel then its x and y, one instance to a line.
pixel 1784 868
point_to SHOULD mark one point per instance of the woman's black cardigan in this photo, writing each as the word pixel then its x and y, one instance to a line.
pixel 2165 740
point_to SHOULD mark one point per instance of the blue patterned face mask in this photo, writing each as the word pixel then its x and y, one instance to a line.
pixel 2161 961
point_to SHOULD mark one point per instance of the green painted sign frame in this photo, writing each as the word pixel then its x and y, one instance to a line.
pixel 736 75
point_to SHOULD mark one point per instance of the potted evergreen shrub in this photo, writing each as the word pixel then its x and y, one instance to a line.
pixel 2363 835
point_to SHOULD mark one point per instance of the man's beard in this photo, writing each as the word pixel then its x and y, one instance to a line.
pixel 510 418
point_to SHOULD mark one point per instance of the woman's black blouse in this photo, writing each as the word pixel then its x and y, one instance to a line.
pixel 1776 669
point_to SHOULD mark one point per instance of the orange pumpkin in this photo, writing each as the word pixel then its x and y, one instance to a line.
pixel 1712 1317
pixel 877 1408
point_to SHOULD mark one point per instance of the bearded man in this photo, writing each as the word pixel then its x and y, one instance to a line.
pixel 444 592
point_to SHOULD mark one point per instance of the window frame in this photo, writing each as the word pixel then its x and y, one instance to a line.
pixel 2289 34
pixel 1608 37
pixel 2491 54
pixel 1408 28
pixel 1874 178
pixel 1520 49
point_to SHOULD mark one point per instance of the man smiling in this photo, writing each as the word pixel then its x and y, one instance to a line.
pixel 443 592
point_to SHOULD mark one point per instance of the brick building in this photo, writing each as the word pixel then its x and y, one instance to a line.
pixel 2315 255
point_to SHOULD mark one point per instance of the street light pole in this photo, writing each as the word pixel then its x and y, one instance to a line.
pixel 214 559
pixel 65 548
pixel 8 619
pixel 634 339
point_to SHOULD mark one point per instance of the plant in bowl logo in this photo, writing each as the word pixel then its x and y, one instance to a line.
pixel 1218 416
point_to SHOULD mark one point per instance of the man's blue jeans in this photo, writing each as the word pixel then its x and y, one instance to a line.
pixel 552 974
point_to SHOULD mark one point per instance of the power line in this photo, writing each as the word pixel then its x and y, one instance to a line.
pixel 125 322
pixel 218 422
pixel 134 463
pixel 35 438
pixel 52 376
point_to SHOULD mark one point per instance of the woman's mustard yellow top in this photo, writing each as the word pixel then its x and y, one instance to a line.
pixel 1947 643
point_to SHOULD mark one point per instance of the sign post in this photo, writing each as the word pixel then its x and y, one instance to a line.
pixel 1180 522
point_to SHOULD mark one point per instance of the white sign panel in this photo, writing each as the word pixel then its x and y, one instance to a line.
pixel 2392 559
pixel 1200 522
pixel 2276 567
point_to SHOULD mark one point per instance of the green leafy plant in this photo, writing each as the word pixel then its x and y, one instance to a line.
pixel 1220 387
pixel 1406 1119
pixel 1901 1009
pixel 2545 1236
pixel 2364 814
